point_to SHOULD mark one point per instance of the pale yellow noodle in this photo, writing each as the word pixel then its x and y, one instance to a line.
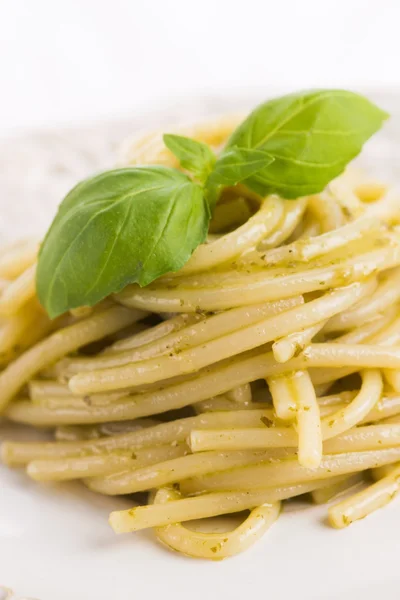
pixel 65 401
pixel 347 482
pixel 207 505
pixel 306 229
pixel 282 396
pixel 365 332
pixel 99 465
pixel 41 391
pixel 368 396
pixel 387 294
pixel 75 433
pixel 59 344
pixel 154 333
pixel 344 192
pixel 14 327
pixel 327 211
pixel 215 546
pixel 306 249
pixel 392 377
pixel 90 432
pixel 114 428
pixel 358 439
pixel 42 388
pixel 294 210
pixel 308 420
pixel 362 356
pixel 19 292
pixel 252 438
pixel 81 311
pixel 292 344
pixel 384 332
pixel 133 480
pixel 288 471
pixel 219 403
pixel 363 438
pixel 366 501
pixel 387 407
pixel 333 400
pixel 77 468
pixel 70 401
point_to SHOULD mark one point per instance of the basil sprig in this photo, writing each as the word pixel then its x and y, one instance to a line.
pixel 134 225
pixel 233 166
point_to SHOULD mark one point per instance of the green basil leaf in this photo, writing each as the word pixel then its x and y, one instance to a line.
pixel 122 226
pixel 196 157
pixel 238 164
pixel 312 136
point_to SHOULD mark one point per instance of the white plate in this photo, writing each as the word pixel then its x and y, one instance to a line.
pixel 55 542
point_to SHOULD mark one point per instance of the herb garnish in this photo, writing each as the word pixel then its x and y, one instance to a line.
pixel 133 225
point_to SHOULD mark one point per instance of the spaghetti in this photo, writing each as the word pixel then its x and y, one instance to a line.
pixel 283 350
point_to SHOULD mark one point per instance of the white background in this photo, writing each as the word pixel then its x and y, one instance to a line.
pixel 66 61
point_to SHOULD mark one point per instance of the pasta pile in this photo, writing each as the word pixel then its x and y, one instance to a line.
pixel 268 367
